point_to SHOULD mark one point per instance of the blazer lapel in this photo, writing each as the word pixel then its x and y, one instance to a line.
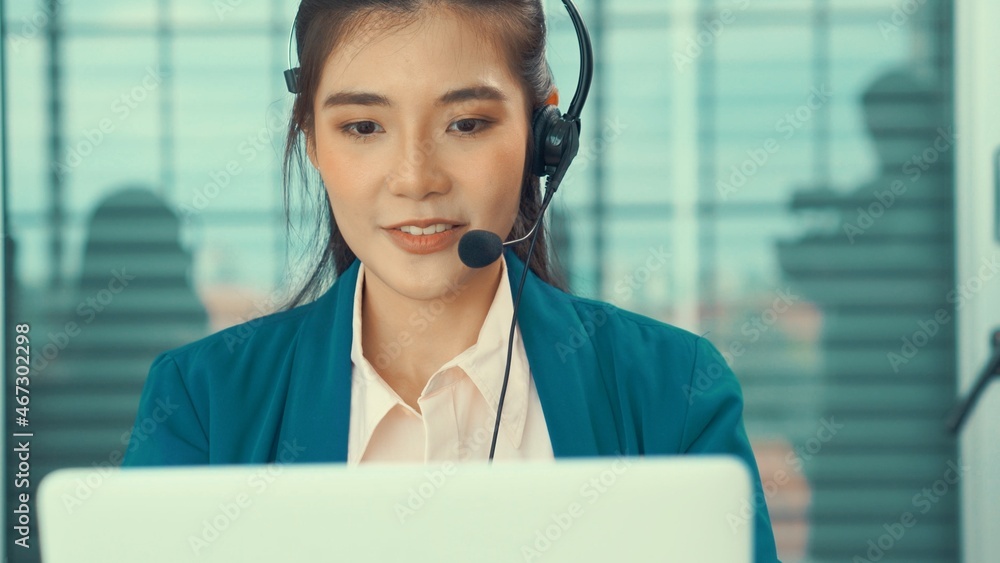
pixel 577 413
pixel 318 410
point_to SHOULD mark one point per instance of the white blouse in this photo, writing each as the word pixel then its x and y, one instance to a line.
pixel 458 404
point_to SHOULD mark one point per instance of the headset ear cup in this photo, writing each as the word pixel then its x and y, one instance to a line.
pixel 542 123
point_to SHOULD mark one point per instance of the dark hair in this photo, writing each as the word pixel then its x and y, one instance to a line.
pixel 321 25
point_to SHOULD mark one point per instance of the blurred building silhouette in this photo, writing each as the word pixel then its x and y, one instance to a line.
pixel 133 300
pixel 882 279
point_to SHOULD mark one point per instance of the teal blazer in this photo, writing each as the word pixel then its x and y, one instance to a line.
pixel 610 382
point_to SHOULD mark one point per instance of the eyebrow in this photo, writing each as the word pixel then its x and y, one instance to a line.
pixel 480 92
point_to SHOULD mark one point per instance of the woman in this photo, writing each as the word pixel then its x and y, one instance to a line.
pixel 418 118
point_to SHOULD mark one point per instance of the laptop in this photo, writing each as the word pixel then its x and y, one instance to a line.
pixel 666 508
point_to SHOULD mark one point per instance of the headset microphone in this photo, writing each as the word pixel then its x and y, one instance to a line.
pixel 479 249
pixel 556 139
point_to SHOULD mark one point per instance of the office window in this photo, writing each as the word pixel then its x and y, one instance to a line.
pixel 775 175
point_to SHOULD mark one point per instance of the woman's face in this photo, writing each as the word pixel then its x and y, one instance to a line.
pixel 420 124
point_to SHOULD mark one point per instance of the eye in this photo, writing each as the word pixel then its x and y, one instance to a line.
pixel 471 127
pixel 361 130
pixel 364 131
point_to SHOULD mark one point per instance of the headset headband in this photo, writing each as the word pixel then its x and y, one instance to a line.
pixel 582 88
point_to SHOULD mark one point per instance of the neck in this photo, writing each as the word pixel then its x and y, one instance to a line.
pixel 407 340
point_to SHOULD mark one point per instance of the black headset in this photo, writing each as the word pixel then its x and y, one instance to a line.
pixel 556 135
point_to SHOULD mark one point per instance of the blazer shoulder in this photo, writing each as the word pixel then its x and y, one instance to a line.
pixel 626 326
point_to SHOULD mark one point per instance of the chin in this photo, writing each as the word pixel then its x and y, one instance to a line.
pixel 423 277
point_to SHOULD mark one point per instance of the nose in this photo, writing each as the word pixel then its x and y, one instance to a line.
pixel 419 171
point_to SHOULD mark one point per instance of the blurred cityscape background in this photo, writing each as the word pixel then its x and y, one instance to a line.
pixel 773 174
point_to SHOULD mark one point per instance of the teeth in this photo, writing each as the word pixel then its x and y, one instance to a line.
pixel 439 228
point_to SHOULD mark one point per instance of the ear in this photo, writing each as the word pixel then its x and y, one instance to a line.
pixel 553 97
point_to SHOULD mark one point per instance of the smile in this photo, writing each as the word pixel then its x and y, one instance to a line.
pixel 433 229
pixel 426 240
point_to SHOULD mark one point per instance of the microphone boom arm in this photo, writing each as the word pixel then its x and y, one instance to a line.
pixel 961 411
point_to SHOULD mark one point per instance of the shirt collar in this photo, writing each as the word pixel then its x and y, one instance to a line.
pixel 483 362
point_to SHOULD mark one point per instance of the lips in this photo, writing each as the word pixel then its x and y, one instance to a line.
pixel 425 236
